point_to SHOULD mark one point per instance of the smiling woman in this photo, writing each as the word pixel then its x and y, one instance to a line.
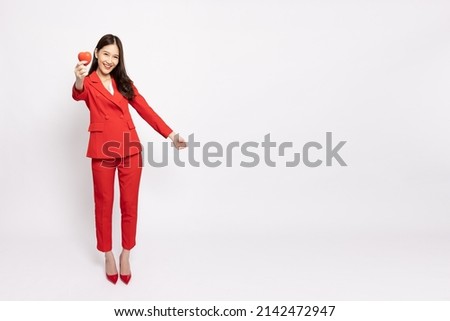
pixel 109 63
pixel 107 90
pixel 108 58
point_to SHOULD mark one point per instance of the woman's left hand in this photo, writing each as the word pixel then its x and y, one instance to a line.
pixel 177 140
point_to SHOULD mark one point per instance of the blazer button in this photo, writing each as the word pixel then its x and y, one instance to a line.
pixel 106 117
pixel 121 116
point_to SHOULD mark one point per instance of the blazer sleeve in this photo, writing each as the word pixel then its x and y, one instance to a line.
pixel 77 94
pixel 148 114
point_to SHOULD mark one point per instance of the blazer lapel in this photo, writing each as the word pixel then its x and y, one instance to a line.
pixel 97 84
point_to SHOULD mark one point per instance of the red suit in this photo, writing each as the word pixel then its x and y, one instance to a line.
pixel 114 144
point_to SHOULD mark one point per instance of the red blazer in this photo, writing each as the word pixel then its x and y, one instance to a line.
pixel 112 132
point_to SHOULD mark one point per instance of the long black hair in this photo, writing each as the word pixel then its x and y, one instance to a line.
pixel 119 73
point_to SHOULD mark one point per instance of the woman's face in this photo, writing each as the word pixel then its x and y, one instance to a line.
pixel 108 58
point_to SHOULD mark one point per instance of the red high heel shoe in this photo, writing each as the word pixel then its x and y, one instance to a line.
pixel 113 278
pixel 125 278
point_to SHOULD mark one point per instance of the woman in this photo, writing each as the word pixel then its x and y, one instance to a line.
pixel 114 145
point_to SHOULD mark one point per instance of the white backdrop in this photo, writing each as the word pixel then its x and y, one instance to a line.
pixel 374 73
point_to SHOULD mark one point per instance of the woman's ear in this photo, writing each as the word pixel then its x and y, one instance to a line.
pixel 96 53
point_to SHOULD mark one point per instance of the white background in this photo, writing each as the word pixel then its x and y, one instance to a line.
pixel 374 73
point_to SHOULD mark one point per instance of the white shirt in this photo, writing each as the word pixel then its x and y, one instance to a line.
pixel 110 88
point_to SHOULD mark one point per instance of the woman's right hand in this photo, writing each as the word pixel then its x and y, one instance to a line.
pixel 80 71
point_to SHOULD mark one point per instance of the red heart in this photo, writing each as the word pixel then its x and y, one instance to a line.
pixel 86 56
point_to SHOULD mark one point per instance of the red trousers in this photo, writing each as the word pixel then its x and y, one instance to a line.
pixel 129 171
